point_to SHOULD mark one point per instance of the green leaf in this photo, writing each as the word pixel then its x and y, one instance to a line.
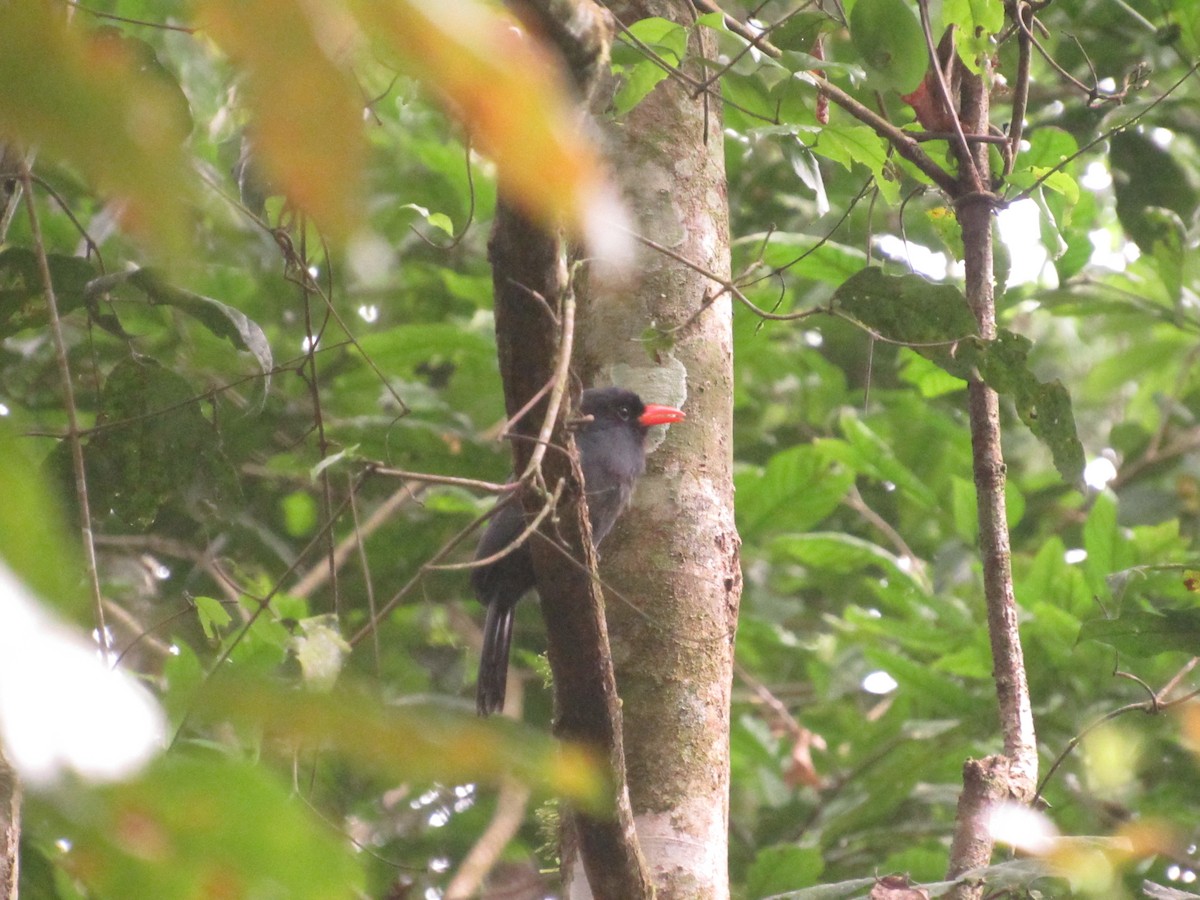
pixel 155 449
pixel 210 825
pixel 929 379
pixel 1145 634
pixel 438 220
pixel 796 490
pixel 850 144
pixel 321 651
pixel 783 867
pixel 300 513
pixel 639 75
pixel 221 319
pixel 23 296
pixel 213 615
pixel 35 541
pixel 934 320
pixel 637 81
pixel 844 553
pixel 977 21
pixel 1100 540
pixel 889 38
pixel 908 308
pixel 668 38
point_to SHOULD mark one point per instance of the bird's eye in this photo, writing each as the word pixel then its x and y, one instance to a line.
pixel 624 412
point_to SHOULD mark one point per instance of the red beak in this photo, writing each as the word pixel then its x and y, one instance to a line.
pixel 660 415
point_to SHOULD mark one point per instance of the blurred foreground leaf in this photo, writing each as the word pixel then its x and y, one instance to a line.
pixel 307 115
pixel 193 827
pixel 34 539
pixel 104 104
pixel 410 742
pixel 512 96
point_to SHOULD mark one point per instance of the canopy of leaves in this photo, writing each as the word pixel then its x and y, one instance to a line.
pixel 234 399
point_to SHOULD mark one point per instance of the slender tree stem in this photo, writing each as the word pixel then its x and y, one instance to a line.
pixel 73 438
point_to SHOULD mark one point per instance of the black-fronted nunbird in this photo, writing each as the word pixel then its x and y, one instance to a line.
pixel 612 455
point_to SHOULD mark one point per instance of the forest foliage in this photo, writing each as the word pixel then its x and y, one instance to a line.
pixel 245 368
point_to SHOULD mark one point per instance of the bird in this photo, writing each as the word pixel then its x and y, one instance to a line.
pixel 612 455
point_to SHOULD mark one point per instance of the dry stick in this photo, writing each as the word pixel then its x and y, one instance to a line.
pixel 503 827
pixel 434 563
pixel 1024 16
pixel 64 372
pixel 520 539
pixel 1154 705
pixel 319 573
pixel 1101 138
pixel 359 536
pixel 487 487
pixel 566 343
pixel 905 143
pixel 966 157
pixel 306 285
pixel 732 289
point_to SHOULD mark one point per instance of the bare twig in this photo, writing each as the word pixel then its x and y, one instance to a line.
pixel 526 534
pixel 307 285
pixel 558 383
pixel 64 372
pixel 315 577
pixel 487 487
pixel 903 142
pixel 949 104
pixel 1023 16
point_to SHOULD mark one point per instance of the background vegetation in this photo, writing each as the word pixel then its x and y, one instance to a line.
pixel 238 372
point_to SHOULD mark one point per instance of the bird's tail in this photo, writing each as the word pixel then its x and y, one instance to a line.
pixel 493 665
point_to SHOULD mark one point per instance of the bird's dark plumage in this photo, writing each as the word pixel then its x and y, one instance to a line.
pixel 612 456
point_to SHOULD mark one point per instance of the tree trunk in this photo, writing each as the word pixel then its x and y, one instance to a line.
pixel 10 831
pixel 671 565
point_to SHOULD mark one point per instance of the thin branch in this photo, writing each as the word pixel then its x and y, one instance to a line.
pixel 904 143
pixel 115 18
pixel 315 577
pixel 312 380
pixel 410 585
pixel 855 501
pixel 558 382
pixel 489 487
pixel 64 373
pixel 1132 120
pixel 359 536
pixel 1022 15
pixel 949 104
pixel 686 79
pixel 547 508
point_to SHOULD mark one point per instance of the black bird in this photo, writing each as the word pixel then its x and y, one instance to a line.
pixel 612 456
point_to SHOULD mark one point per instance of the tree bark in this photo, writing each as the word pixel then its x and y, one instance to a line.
pixel 10 831
pixel 671 565
pixel 534 328
pixel 1012 776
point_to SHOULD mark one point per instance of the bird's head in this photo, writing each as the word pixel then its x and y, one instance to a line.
pixel 615 406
